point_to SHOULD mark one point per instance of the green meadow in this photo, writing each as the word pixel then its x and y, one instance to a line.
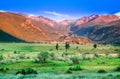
pixel 78 62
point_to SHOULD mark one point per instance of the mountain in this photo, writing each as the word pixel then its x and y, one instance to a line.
pixel 23 28
pixel 64 26
pixel 88 24
pixel 48 25
pixel 75 39
pixel 107 33
pixel 94 27
pixel 89 28
pixel 26 28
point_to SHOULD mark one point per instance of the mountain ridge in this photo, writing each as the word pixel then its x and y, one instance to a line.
pixel 38 28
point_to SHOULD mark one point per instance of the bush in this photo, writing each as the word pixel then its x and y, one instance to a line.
pixel 27 71
pixel 96 55
pixel 31 71
pixel 21 56
pixel 15 52
pixel 1 69
pixel 68 71
pixel 51 49
pixel 76 68
pixel 117 69
pixel 101 71
pixel 4 69
pixel 36 60
pixel 43 56
pixel 7 68
pixel 75 60
pixel 52 55
pixel 1 57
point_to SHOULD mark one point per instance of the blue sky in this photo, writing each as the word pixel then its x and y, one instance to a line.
pixel 61 9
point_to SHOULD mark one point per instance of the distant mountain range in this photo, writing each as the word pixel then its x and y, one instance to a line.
pixel 21 27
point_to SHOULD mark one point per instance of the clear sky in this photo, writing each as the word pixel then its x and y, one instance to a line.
pixel 61 9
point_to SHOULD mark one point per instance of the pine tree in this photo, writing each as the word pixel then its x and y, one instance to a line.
pixel 67 46
pixel 57 46
pixel 95 45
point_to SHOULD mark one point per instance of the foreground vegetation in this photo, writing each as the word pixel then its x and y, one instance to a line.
pixel 76 62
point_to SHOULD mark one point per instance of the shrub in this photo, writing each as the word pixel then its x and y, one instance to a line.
pixel 96 55
pixel 1 69
pixel 101 71
pixel 76 68
pixel 51 49
pixel 52 55
pixel 117 69
pixel 7 68
pixel 1 57
pixel 31 71
pixel 21 56
pixel 15 52
pixel 2 49
pixel 36 60
pixel 26 71
pixel 68 71
pixel 75 60
pixel 118 76
pixel 43 56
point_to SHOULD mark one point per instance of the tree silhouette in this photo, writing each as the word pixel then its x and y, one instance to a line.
pixel 67 46
pixel 57 46
pixel 95 45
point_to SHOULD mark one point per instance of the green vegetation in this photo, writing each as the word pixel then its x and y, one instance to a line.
pixel 26 71
pixel 101 71
pixel 57 46
pixel 76 68
pixel 67 46
pixel 1 57
pixel 117 69
pixel 43 56
pixel 95 45
pixel 80 59
pixel 75 60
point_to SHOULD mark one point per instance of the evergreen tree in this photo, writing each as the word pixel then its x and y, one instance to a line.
pixel 67 46
pixel 95 45
pixel 57 46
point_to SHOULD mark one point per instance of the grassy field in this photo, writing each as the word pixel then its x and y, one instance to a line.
pixel 17 56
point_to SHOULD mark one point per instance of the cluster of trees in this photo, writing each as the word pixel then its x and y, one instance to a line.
pixel 67 46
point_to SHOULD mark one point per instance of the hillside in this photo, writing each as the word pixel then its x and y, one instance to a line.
pixel 107 33
pixel 22 28
pixel 103 29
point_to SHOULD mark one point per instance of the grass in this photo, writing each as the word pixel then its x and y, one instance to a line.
pixel 19 56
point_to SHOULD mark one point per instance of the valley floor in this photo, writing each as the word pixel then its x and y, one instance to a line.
pixel 18 56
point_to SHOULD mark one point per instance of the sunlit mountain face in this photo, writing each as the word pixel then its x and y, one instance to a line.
pixel 100 28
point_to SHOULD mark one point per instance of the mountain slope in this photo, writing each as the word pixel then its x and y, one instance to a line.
pixel 49 26
pixel 107 33
pixel 4 37
pixel 21 27
pixel 84 28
